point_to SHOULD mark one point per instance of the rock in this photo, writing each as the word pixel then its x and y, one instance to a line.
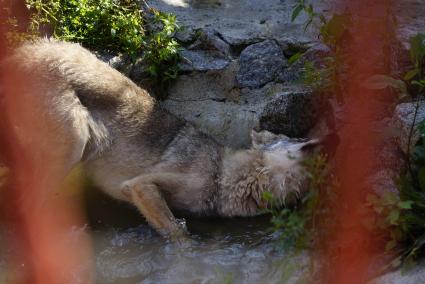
pixel 210 101
pixel 240 23
pixel 262 95
pixel 203 4
pixel 293 74
pixel 317 52
pixel 402 122
pixel 241 37
pixel 383 182
pixel 201 61
pixel 291 113
pixel 410 19
pixel 260 63
pixel 205 85
pixel 186 35
pixel 210 40
pixel 229 123
pixel 413 276
pixel 292 45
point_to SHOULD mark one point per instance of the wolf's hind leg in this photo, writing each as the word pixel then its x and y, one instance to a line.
pixel 146 196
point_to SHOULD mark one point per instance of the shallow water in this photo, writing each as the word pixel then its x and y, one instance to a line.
pixel 127 250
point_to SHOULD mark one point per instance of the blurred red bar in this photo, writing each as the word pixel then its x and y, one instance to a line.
pixel 44 226
pixel 351 252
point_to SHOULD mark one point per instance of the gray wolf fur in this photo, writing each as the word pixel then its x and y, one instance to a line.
pixel 132 148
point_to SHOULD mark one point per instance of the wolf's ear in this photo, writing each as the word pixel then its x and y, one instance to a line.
pixel 262 138
pixel 256 139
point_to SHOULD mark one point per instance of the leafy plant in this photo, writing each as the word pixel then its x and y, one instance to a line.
pixel 113 25
pixel 412 84
pixel 412 188
pixel 300 223
pixel 116 25
pixel 402 216
pixel 162 51
pixel 302 5
pixel 332 32
pixel 390 213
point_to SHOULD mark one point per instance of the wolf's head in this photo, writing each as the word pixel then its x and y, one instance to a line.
pixel 282 173
pixel 274 164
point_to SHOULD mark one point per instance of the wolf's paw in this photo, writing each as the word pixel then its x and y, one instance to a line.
pixel 128 187
pixel 182 239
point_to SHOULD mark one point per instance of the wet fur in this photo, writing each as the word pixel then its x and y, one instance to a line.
pixel 132 148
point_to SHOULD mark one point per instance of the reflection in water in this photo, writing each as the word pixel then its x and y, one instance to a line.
pixel 127 250
pixel 139 255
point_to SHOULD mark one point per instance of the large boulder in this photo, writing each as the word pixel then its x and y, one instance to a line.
pixel 292 113
pixel 260 63
pixel 210 101
pixel 228 123
pixel 207 52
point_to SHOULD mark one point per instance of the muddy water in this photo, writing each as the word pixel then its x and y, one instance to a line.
pixel 127 250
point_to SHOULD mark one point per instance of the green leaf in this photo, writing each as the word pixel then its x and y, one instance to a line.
pixel 411 74
pixel 417 49
pixel 296 12
pixel 309 9
pixel 420 84
pixel 394 217
pixel 294 58
pixel 267 196
pixel 405 204
pixel 379 82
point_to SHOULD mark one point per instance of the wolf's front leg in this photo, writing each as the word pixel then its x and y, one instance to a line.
pixel 147 197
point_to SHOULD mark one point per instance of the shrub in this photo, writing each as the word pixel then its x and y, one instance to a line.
pixel 333 32
pixel 162 50
pixel 400 217
pixel 107 25
pixel 302 223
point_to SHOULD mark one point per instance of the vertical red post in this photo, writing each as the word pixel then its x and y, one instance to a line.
pixel 44 226
pixel 351 251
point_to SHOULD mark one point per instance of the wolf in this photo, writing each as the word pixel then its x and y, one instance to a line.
pixel 131 147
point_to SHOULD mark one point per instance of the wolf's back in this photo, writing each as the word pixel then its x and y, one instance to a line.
pixel 65 86
pixel 74 65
